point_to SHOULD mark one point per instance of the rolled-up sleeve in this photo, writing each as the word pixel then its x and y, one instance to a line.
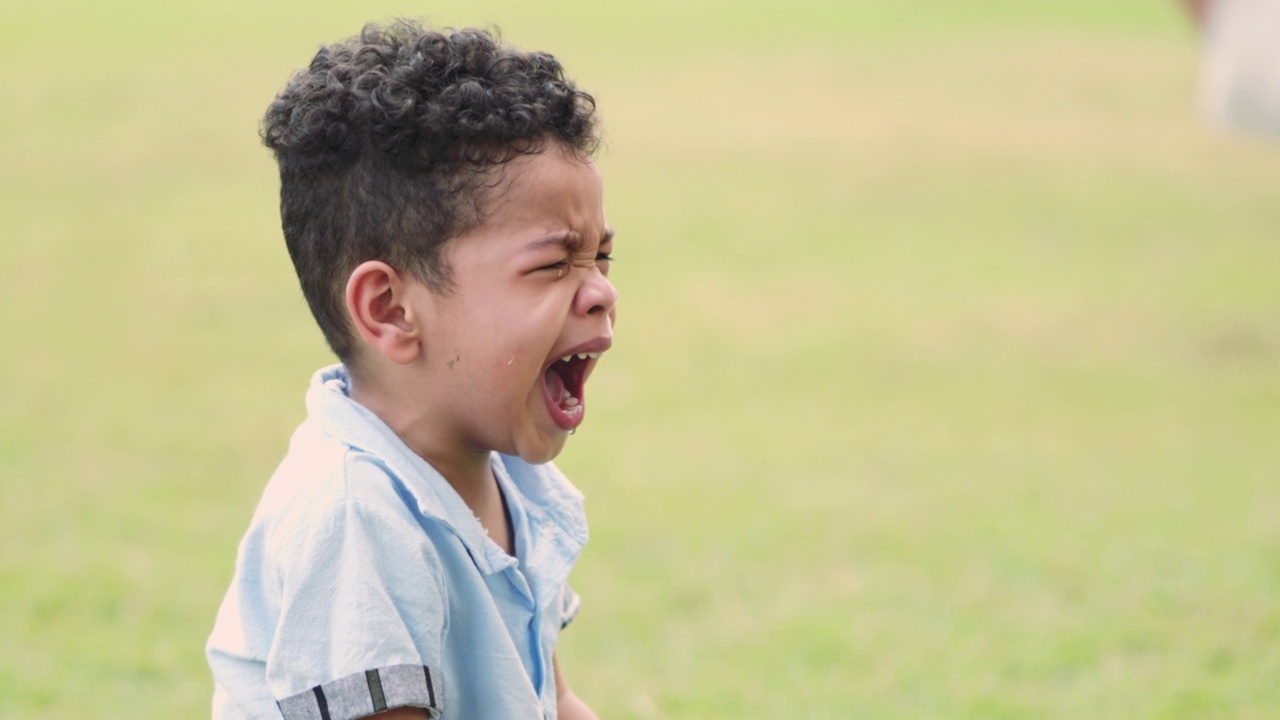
pixel 362 617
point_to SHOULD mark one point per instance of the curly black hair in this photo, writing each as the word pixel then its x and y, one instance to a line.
pixel 384 142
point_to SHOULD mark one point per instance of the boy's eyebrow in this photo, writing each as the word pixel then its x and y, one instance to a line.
pixel 567 239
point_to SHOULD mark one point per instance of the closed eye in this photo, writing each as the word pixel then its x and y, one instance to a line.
pixel 560 268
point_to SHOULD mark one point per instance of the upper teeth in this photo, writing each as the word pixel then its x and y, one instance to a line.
pixel 581 356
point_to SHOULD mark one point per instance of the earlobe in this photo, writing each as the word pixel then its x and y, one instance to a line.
pixel 377 302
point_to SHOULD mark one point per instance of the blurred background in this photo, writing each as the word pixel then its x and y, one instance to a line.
pixel 947 382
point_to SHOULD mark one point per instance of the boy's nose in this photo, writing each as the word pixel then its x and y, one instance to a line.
pixel 597 296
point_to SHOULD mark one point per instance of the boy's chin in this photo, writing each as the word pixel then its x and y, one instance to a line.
pixel 544 450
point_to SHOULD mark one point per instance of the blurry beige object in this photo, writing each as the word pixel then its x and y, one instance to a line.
pixel 1240 67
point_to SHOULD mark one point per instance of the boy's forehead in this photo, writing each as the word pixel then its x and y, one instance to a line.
pixel 552 184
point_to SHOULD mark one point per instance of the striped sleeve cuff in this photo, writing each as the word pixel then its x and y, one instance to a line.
pixel 363 694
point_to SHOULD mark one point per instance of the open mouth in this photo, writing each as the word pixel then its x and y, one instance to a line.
pixel 563 382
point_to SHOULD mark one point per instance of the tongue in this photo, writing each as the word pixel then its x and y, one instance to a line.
pixel 555 384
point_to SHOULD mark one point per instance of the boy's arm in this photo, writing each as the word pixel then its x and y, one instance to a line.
pixel 569 706
pixel 404 713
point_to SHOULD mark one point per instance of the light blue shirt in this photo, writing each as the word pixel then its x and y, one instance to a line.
pixel 365 583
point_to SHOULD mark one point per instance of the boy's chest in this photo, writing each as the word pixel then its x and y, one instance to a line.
pixel 499 641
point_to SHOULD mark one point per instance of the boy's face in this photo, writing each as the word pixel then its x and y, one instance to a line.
pixel 530 286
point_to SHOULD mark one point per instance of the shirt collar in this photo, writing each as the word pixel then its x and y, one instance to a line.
pixel 552 505
pixel 554 531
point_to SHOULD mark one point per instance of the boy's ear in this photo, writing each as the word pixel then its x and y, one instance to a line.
pixel 377 301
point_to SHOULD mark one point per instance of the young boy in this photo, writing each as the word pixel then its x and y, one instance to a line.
pixel 409 556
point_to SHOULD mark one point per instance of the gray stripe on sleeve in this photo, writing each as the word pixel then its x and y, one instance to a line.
pixel 302 706
pixel 412 685
pixel 375 690
pixel 354 696
pixel 348 697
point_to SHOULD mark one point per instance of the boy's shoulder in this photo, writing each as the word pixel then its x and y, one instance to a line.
pixel 325 495
pixel 320 475
pixel 341 455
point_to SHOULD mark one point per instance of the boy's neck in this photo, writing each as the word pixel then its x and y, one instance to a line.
pixel 467 470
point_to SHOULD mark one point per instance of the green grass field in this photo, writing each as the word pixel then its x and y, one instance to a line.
pixel 947 382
